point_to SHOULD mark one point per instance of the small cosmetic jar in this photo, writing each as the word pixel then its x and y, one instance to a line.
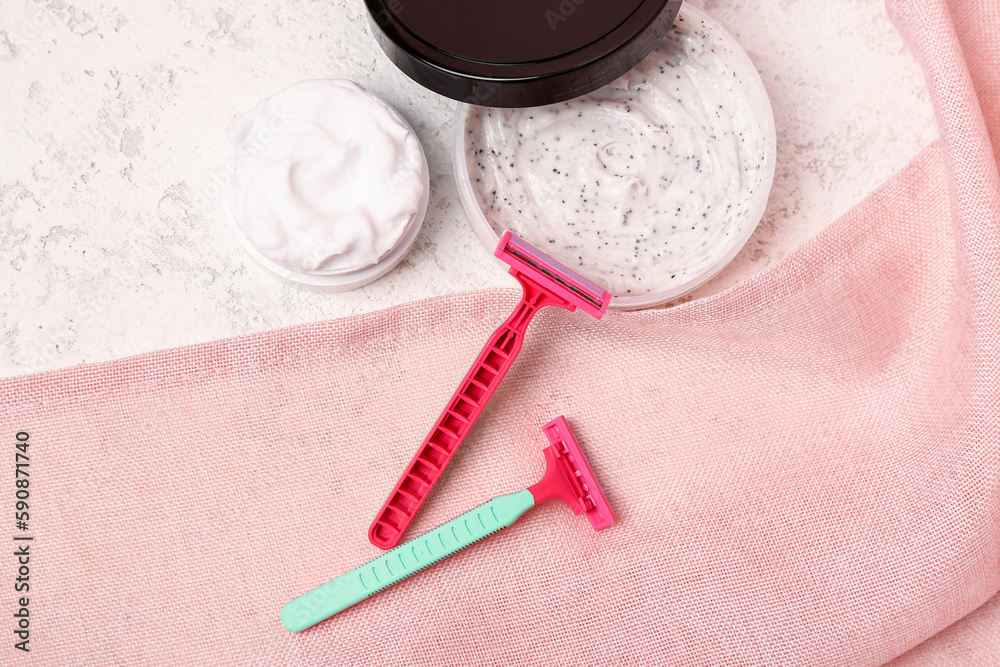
pixel 327 184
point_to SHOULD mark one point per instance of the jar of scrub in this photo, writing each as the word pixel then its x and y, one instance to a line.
pixel 648 186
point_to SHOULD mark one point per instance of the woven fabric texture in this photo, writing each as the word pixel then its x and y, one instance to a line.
pixel 805 468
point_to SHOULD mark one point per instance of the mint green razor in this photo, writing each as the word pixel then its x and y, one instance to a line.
pixel 567 477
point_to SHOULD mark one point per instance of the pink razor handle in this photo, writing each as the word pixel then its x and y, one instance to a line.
pixel 545 282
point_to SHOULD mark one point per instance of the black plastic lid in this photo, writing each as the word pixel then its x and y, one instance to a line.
pixel 518 53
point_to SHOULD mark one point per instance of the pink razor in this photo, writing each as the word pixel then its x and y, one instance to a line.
pixel 567 477
pixel 545 282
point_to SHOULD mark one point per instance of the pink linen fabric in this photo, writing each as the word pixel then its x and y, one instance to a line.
pixel 805 468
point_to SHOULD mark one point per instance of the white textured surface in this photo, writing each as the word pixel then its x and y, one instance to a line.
pixel 112 241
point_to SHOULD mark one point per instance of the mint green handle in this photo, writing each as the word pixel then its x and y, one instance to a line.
pixel 393 566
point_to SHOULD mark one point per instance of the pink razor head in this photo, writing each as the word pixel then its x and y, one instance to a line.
pixel 552 276
pixel 568 477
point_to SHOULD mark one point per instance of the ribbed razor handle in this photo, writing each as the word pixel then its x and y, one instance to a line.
pixel 458 417
pixel 405 560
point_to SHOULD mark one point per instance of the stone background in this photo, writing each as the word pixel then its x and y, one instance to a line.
pixel 112 239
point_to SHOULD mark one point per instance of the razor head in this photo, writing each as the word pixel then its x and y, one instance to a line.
pixel 568 477
pixel 552 276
